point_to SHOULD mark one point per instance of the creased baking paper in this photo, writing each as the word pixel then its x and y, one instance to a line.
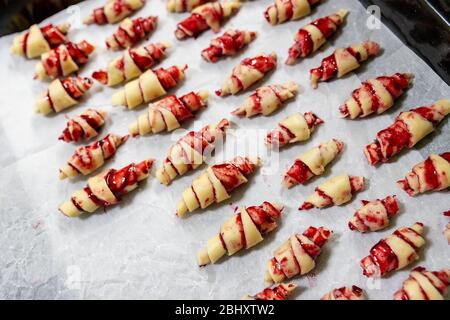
pixel 139 249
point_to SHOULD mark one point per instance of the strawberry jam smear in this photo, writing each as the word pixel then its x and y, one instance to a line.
pixel 395 84
pixel 119 180
pixel 53 35
pixel 326 26
pixel 383 257
pixel 261 63
pixel 80 52
pixel 168 77
pixel 142 62
pixel 101 76
pixel 446 156
pixel 394 138
pixel 277 293
pixel 74 131
pixel 191 26
pixel 229 173
pixel 179 108
pixel 299 172
pixel 76 87
pixel 264 217
pixel 318 235
pixel 328 68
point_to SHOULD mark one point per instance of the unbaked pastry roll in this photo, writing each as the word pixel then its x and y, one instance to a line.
pixel 242 231
pixel 433 174
pixel 228 44
pixel 278 292
pixel 37 41
pixel 287 10
pixel 312 163
pixel 248 72
pixel 394 252
pixel 335 191
pixel 297 127
pixel 408 129
pixel 130 32
pixel 376 95
pixel 62 94
pixel 131 64
pixel 106 189
pixel 150 85
pixel 169 113
pixel 209 15
pixel 63 60
pixel 191 151
pixel 84 126
pixel 424 285
pixel 216 183
pixel 87 159
pixel 114 11
pixel 297 255
pixel 184 5
pixel 374 215
pixel 345 293
pixel 267 99
pixel 314 35
pixel 342 61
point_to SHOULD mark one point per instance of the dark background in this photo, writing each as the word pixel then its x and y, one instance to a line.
pixel 423 25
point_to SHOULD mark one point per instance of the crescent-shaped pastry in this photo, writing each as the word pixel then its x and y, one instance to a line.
pixel 89 158
pixel 343 61
pixel 62 94
pixel 267 99
pixel 374 215
pixel 345 293
pixel 169 113
pixel 184 5
pixel 312 163
pixel 242 231
pixel 297 255
pixel 408 129
pixel 130 32
pixel 84 126
pixel 106 189
pixel 424 285
pixel 335 191
pixel 191 151
pixel 294 128
pixel 150 85
pixel 248 72
pixel 376 95
pixel 433 174
pixel 278 292
pixel 287 10
pixel 207 16
pixel 314 35
pixel 394 252
pixel 63 60
pixel 114 11
pixel 228 44
pixel 36 40
pixel 216 183
pixel 131 64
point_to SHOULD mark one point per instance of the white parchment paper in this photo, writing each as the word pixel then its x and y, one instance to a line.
pixel 139 249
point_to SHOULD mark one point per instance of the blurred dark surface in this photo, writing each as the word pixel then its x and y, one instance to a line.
pixel 424 26
pixel 18 15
